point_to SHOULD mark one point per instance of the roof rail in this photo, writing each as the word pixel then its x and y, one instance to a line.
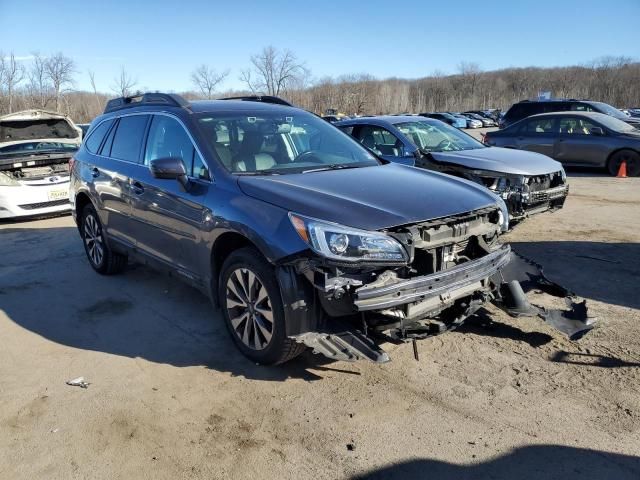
pixel 170 99
pixel 260 98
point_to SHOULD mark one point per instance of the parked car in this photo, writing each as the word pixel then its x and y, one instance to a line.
pixel 471 121
pixel 575 139
pixel 302 236
pixel 486 121
pixel 84 127
pixel 331 118
pixel 527 108
pixel 446 118
pixel 528 183
pixel 35 148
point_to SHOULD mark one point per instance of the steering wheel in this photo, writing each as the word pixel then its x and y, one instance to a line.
pixel 444 145
pixel 308 156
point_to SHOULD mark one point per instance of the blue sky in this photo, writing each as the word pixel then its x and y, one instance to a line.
pixel 160 42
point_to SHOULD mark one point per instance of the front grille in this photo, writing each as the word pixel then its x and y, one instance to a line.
pixel 53 203
pixel 548 195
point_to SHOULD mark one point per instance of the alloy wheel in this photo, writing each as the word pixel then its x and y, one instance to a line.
pixel 93 240
pixel 249 308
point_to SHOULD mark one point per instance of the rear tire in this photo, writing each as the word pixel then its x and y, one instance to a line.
pixel 251 303
pixel 102 259
pixel 630 157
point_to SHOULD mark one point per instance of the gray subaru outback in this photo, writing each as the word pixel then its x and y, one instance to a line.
pixel 301 236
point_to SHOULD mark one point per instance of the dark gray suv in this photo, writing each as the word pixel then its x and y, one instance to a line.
pixel 298 233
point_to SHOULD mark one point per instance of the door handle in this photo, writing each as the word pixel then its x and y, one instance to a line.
pixel 138 189
pixel 95 172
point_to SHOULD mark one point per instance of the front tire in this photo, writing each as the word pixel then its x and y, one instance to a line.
pixel 631 158
pixel 249 296
pixel 102 259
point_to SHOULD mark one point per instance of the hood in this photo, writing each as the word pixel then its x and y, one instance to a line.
pixel 369 198
pixel 34 125
pixel 503 160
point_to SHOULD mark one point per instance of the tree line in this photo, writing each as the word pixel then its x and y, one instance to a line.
pixel 48 82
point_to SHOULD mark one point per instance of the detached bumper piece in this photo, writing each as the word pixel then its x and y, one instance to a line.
pixel 346 345
pixel 522 275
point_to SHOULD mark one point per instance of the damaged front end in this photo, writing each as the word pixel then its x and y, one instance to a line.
pixel 451 267
pixel 529 195
pixel 525 195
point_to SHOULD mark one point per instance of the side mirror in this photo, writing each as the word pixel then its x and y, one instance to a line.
pixel 170 168
pixel 596 131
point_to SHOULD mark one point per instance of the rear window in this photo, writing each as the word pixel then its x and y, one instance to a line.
pixel 128 138
pixel 93 142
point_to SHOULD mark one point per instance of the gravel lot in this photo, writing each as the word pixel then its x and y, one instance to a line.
pixel 170 397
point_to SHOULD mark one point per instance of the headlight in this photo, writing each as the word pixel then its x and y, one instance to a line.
pixel 563 175
pixel 8 181
pixel 503 217
pixel 347 244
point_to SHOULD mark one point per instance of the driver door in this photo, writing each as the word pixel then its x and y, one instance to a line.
pixel 169 218
pixel 384 143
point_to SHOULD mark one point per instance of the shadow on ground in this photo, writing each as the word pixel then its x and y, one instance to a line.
pixel 607 272
pixel 548 462
pixel 54 293
pixel 481 323
pixel 48 287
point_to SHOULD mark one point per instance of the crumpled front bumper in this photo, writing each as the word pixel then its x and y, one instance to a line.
pixel 522 205
pixel 446 285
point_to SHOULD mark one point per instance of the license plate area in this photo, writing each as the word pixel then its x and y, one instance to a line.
pixel 58 195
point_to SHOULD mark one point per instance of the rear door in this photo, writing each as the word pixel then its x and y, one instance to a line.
pixel 537 135
pixel 109 173
pixel 577 145
pixel 169 219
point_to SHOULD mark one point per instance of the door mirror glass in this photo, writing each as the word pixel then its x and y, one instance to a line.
pixel 170 168
pixel 596 131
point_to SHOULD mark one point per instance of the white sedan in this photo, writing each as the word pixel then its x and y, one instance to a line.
pixel 35 149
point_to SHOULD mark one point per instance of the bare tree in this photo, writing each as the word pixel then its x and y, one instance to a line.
pixel 12 74
pixel 272 71
pixel 206 79
pixel 123 84
pixel 39 85
pixel 60 70
pixel 470 73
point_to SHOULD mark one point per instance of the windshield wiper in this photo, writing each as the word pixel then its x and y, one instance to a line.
pixel 333 166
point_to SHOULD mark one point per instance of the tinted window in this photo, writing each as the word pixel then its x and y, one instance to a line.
pixel 576 126
pixel 128 138
pixel 167 138
pixel 92 143
pixel 538 125
pixel 380 141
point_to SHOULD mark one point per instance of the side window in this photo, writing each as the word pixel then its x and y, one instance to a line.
pixel 106 146
pixel 538 125
pixel 575 126
pixel 348 129
pixel 93 141
pixel 128 138
pixel 167 138
pixel 581 107
pixel 380 140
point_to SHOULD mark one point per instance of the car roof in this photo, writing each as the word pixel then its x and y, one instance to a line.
pixel 593 115
pixel 382 120
pixel 204 106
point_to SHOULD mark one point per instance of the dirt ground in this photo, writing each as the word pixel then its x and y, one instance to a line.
pixel 170 397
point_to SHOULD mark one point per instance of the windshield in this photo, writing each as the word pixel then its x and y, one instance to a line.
pixel 438 138
pixel 609 110
pixel 275 143
pixel 36 148
pixel 616 125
